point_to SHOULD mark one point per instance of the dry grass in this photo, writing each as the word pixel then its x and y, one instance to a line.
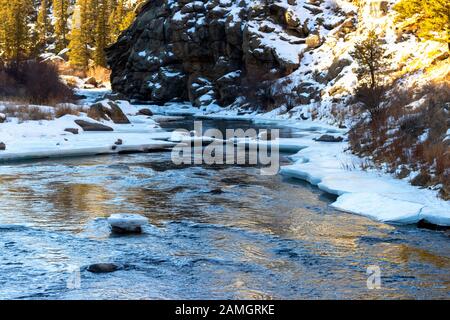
pixel 63 109
pixel 410 139
pixel 99 73
pixel 26 113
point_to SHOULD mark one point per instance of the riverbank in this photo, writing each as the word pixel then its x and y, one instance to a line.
pixel 333 169
pixel 328 165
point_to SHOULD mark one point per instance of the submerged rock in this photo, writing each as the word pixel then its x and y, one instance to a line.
pixel 103 267
pixel 92 126
pixel 127 223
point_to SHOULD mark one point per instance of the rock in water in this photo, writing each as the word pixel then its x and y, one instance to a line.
pixel 145 112
pixel 103 267
pixel 127 223
pixel 329 138
pixel 2 146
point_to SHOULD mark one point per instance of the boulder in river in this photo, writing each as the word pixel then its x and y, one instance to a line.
pixel 92 126
pixel 2 146
pixel 2 117
pixel 145 112
pixel 127 223
pixel 103 267
pixel 329 138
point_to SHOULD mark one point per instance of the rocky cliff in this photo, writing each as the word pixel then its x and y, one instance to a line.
pixel 286 56
pixel 218 50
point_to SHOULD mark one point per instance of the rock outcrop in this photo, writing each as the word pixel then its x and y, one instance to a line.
pixel 212 51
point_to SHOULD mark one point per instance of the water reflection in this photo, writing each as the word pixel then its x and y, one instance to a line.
pixel 222 232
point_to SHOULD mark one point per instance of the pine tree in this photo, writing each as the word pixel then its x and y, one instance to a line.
pixel 15 44
pixel 43 25
pixel 122 16
pixel 78 46
pixel 372 61
pixel 370 55
pixel 3 29
pixel 432 18
pixel 61 15
pixel 101 33
pixel 115 18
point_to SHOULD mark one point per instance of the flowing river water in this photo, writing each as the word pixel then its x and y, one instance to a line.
pixel 216 232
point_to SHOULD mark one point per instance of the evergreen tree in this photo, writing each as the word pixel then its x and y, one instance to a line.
pixel 372 65
pixel 116 17
pixel 122 16
pixel 432 18
pixel 101 33
pixel 78 46
pixel 43 25
pixel 61 15
pixel 15 43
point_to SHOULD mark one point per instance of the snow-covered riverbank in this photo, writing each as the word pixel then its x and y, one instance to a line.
pixel 328 165
pixel 63 137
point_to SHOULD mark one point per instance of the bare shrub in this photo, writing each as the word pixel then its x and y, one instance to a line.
pixel 408 137
pixel 371 98
pixel 36 82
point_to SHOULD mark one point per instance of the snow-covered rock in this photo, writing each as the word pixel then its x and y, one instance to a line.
pixel 127 223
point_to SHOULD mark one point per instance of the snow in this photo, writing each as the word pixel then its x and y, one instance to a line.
pixel 329 166
pixel 48 138
pixel 378 207
pixel 128 222
pixel 373 194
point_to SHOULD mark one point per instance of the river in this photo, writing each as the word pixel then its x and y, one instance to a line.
pixel 216 232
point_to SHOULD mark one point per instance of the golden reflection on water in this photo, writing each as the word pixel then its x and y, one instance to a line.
pixel 403 254
pixel 344 234
pixel 75 204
